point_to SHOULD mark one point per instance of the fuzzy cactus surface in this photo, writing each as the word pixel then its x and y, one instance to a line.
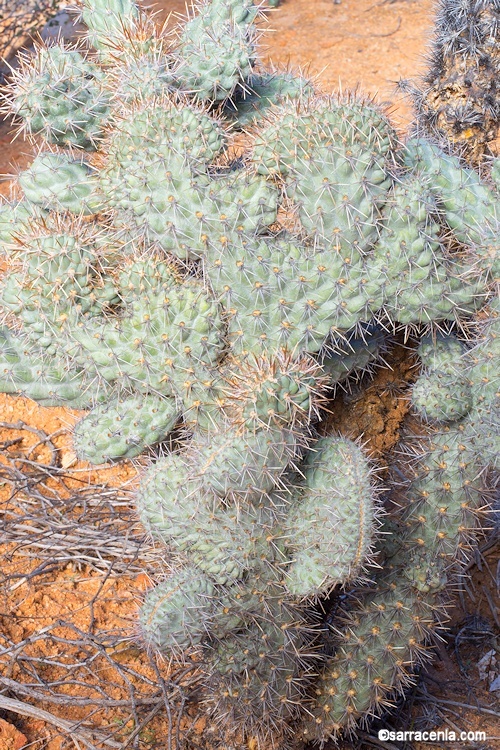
pixel 212 304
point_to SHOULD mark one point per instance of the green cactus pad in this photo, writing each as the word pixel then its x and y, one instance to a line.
pixel 176 203
pixel 56 182
pixel 27 372
pixel 381 638
pixel 332 156
pixel 257 677
pixel 246 463
pixel 471 208
pixel 142 77
pixel 381 641
pixel 177 511
pixel 107 18
pixel 15 218
pixel 421 282
pixel 59 96
pixel 281 295
pixel 272 392
pixel 442 392
pixel 353 356
pixel 216 49
pixel 484 376
pixel 175 614
pixel 441 396
pixel 157 341
pixel 329 530
pixel 124 427
pixel 55 275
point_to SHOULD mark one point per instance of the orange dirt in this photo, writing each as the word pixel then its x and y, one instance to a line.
pixel 349 44
pixel 10 737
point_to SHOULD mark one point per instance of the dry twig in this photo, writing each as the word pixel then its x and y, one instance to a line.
pixel 46 525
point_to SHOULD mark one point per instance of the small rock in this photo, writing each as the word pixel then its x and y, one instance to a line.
pixel 495 685
pixel 60 27
pixel 488 667
pixel 10 737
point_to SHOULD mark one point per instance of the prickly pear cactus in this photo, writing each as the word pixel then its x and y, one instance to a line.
pixel 172 290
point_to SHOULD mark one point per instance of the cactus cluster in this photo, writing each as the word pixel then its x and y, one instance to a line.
pixel 459 97
pixel 173 288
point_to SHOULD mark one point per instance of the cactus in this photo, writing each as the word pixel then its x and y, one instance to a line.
pixel 58 95
pixel 123 427
pixel 216 49
pixel 329 527
pixel 106 20
pixel 34 374
pixel 174 612
pixel 359 353
pixel 175 291
pixel 441 392
pixel 266 91
pixel 213 526
pixel 189 211
pixel 56 182
pixel 484 379
pixel 384 633
pixel 470 207
pixel 274 392
pixel 458 100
